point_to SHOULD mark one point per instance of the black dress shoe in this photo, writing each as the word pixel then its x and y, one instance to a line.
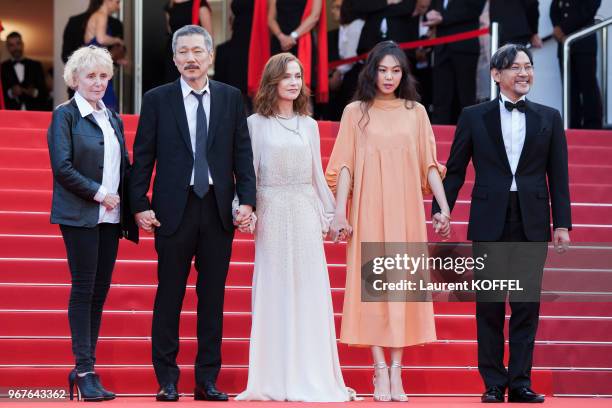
pixel 208 392
pixel 167 393
pixel 492 395
pixel 525 394
pixel 107 395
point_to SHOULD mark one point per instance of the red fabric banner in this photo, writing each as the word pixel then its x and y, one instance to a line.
pixel 195 12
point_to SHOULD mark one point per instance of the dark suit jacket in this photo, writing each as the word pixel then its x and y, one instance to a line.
pixel 479 137
pixel 374 11
pixel 573 15
pixel 460 16
pixel 76 149
pixel 33 76
pixel 518 19
pixel 74 33
pixel 162 139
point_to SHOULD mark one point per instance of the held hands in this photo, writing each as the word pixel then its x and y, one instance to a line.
pixel 244 218
pixel 147 221
pixel 340 230
pixel 561 240
pixel 441 224
pixel 286 42
pixel 434 18
pixel 111 201
pixel 536 41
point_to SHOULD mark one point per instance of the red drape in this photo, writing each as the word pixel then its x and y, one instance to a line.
pixel 260 50
pixel 195 12
pixel 1 89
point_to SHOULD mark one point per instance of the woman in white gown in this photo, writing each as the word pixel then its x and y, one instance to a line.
pixel 293 352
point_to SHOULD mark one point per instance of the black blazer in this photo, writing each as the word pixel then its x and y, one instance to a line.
pixel 374 11
pixel 479 137
pixel 573 15
pixel 33 76
pixel 518 19
pixel 460 16
pixel 76 149
pixel 162 139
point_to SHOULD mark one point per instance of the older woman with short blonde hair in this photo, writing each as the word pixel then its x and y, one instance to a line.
pixel 90 163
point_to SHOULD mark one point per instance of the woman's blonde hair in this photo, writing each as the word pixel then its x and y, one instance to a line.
pixel 266 99
pixel 87 58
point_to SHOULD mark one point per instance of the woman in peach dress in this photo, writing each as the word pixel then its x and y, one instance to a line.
pixel 383 162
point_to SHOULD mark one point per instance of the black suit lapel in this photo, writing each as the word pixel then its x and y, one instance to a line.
pixel 492 121
pixel 216 104
pixel 178 107
pixel 532 128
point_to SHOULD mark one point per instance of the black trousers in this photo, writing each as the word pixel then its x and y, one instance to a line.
pixel 510 258
pixel 91 257
pixel 454 86
pixel 586 109
pixel 200 235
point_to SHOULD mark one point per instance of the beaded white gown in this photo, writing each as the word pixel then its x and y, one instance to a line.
pixel 293 355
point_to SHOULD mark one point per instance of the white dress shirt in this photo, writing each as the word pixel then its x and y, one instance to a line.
pixel 191 109
pixel 348 40
pixel 19 69
pixel 112 158
pixel 513 130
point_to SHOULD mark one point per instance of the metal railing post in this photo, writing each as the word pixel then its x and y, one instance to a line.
pixel 494 47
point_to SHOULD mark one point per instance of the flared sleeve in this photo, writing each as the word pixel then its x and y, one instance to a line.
pixel 326 202
pixel 343 153
pixel 427 150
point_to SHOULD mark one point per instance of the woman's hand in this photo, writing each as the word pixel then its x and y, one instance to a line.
pixel 286 42
pixel 340 230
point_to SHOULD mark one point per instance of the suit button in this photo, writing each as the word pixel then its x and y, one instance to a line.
pixel 100 167
pixel 102 143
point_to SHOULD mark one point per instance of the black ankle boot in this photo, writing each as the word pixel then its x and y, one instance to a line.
pixel 87 389
pixel 107 395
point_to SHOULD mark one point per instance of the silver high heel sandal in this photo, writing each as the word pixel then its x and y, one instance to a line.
pixel 397 397
pixel 378 396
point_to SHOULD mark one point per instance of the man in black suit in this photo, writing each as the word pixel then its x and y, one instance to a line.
pixel 194 131
pixel 454 74
pixel 384 20
pixel 518 21
pixel 519 153
pixel 23 79
pixel 567 17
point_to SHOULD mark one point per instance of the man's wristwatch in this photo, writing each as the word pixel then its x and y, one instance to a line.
pixel 294 35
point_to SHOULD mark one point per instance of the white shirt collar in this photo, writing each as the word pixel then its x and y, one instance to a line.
pixel 186 89
pixel 503 98
pixel 85 108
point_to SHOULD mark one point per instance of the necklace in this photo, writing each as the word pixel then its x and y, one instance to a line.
pixel 295 131
pixel 285 117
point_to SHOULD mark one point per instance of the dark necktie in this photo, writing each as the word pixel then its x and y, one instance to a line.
pixel 519 106
pixel 200 174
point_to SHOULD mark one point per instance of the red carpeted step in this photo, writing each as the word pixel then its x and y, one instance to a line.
pixel 141 380
pixel 119 324
pixel 25 212
pixel 236 352
pixel 236 324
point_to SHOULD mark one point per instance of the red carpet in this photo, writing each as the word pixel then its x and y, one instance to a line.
pixel 574 346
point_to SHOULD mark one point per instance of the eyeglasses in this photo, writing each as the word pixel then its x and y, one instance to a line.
pixel 516 69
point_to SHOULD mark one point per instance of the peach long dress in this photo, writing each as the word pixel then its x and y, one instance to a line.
pixel 388 163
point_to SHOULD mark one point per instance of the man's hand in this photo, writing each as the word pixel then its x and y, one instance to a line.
pixel 111 201
pixel 434 18
pixel 392 2
pixel 421 7
pixel 147 221
pixel 16 90
pixel 441 225
pixel 561 240
pixel 558 34
pixel 536 41
pixel 335 81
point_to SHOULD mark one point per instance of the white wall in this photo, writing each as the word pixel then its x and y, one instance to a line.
pixel 62 10
pixel 547 87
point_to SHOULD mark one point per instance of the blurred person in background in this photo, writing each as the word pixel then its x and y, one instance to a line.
pixel 567 17
pixel 23 79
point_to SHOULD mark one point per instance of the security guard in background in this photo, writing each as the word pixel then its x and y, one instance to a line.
pixel 569 16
